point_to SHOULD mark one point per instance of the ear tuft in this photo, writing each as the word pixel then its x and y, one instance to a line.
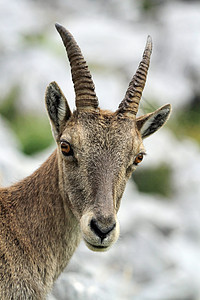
pixel 57 107
pixel 150 123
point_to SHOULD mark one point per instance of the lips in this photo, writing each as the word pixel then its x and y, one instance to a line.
pixel 96 247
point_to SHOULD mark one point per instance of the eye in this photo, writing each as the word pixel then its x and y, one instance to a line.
pixel 138 158
pixel 66 148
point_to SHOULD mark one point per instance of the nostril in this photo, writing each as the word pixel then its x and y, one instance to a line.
pixel 102 233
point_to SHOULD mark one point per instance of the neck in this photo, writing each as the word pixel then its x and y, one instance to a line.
pixel 42 221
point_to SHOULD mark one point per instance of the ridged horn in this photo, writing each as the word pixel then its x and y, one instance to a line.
pixel 130 103
pixel 86 98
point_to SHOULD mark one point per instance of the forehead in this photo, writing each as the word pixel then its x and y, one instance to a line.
pixel 105 128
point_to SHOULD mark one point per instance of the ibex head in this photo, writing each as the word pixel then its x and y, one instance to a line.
pixel 98 150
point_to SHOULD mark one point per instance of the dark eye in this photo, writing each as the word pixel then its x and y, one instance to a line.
pixel 138 158
pixel 66 148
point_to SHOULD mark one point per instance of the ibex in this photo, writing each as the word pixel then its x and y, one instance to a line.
pixel 77 191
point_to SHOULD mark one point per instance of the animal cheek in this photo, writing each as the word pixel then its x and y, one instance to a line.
pixel 129 171
pixel 118 194
pixel 118 202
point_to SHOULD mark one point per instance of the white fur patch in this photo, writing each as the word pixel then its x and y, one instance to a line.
pixel 61 110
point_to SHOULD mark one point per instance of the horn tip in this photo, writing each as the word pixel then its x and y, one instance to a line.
pixel 64 33
pixel 59 27
pixel 149 38
pixel 149 43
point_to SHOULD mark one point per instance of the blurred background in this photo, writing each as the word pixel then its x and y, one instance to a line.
pixel 158 254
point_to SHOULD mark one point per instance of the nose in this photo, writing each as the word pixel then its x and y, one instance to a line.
pixel 98 229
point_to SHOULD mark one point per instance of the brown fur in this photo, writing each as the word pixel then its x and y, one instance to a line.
pixel 34 223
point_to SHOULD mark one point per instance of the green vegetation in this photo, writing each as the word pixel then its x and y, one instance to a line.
pixel 184 122
pixel 147 5
pixel 187 122
pixel 37 38
pixel 150 6
pixel 32 130
pixel 40 40
pixel 154 180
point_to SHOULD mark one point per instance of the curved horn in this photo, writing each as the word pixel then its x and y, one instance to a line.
pixel 130 103
pixel 83 84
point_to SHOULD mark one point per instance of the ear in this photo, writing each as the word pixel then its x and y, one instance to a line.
pixel 57 108
pixel 151 122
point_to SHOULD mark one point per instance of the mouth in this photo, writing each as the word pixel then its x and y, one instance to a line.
pixel 95 247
